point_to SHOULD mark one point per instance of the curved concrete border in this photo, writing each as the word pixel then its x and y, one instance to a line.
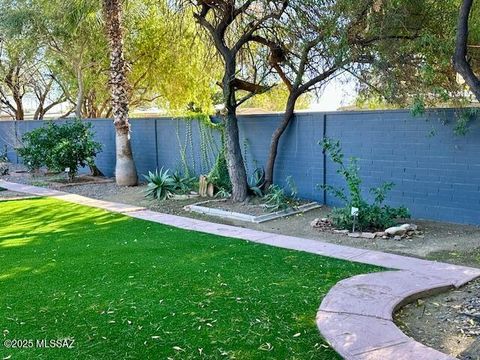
pixel 356 315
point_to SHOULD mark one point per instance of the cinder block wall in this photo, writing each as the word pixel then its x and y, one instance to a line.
pixel 436 173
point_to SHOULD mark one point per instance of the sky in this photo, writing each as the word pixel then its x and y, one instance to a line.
pixel 337 93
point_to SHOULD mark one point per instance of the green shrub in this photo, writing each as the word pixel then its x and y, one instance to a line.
pixel 219 176
pixel 276 199
pixel 182 184
pixel 375 216
pixel 161 185
pixel 63 147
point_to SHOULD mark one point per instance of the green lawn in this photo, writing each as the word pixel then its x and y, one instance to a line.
pixel 130 289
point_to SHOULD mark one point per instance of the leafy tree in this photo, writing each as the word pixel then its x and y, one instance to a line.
pixel 165 57
pixel 420 73
pixel 275 100
pixel 318 40
pixel 170 65
pixel 232 26
pixel 24 69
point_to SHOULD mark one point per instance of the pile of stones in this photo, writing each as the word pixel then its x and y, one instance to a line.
pixel 405 231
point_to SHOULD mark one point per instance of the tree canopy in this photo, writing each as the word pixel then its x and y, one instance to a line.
pixel 64 44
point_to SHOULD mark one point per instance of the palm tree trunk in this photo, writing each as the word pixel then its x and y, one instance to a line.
pixel 125 170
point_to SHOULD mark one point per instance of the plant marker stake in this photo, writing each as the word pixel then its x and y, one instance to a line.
pixel 354 213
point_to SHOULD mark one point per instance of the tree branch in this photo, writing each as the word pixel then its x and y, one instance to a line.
pixel 460 62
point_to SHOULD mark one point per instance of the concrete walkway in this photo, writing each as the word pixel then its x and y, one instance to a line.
pixel 356 315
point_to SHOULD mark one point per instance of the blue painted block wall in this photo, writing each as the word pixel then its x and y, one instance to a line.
pixel 436 173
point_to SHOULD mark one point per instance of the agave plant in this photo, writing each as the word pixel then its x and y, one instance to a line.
pixel 161 185
pixel 182 184
pixel 256 182
pixel 275 199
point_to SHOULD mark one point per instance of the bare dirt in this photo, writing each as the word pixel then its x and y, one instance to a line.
pixel 253 206
pixel 437 321
pixel 448 322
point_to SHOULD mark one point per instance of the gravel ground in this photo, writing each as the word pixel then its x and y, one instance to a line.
pixel 449 322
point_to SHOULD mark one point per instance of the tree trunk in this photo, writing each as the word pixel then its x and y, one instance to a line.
pixel 277 134
pixel 38 111
pixel 125 170
pixel 80 95
pixel 460 61
pixel 19 113
pixel 233 154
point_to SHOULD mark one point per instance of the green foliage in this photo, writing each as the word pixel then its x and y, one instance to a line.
pixel 371 217
pixel 65 41
pixel 464 118
pixel 275 100
pixel 209 147
pixel 419 66
pixel 219 176
pixel 375 216
pixel 60 147
pixel 182 184
pixel 277 200
pixel 223 194
pixel 160 186
pixel 256 182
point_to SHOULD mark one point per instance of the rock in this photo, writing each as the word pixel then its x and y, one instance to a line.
pixel 413 227
pixel 395 230
pixel 315 223
pixel 380 234
pixel 400 230
pixel 385 237
pixel 322 224
pixel 354 235
pixel 344 232
pixel 367 235
pixel 397 238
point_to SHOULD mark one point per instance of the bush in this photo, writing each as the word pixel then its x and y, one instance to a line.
pixel 375 216
pixel 63 147
pixel 182 184
pixel 276 199
pixel 219 176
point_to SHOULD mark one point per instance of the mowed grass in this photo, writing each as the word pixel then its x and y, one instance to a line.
pixel 131 289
